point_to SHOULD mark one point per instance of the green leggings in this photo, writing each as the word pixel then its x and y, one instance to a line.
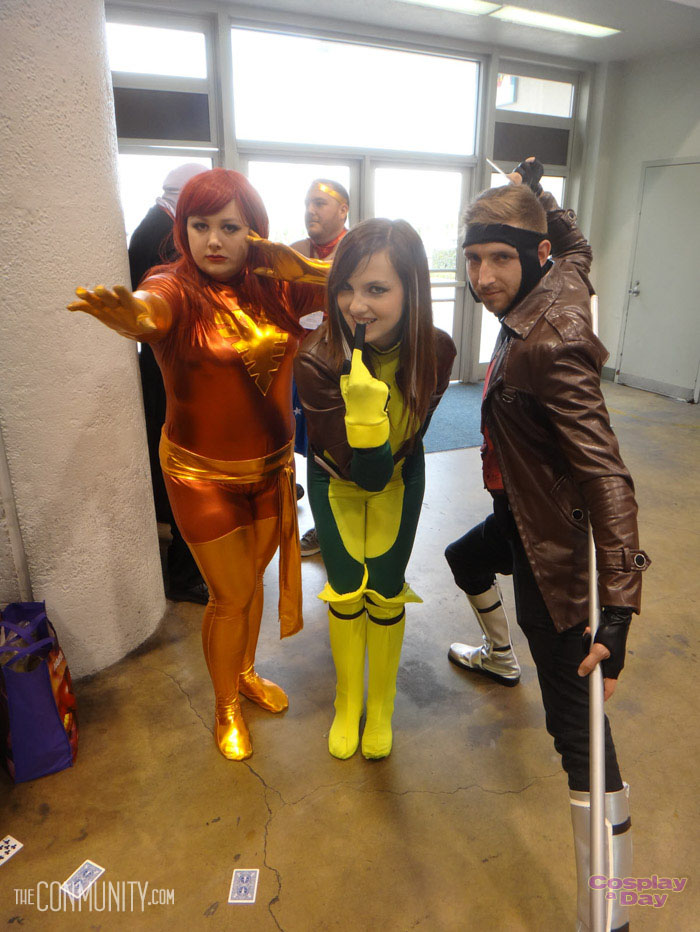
pixel 359 529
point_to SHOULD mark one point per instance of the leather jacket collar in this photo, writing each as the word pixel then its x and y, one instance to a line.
pixel 523 317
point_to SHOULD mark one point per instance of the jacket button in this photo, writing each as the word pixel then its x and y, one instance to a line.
pixel 577 514
pixel 639 560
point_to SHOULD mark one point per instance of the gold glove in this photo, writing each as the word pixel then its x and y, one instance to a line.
pixel 288 264
pixel 366 398
pixel 139 315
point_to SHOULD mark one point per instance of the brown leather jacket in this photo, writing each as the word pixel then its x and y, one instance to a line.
pixel 318 383
pixel 551 432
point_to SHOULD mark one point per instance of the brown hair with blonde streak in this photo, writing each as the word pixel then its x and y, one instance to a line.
pixel 515 205
pixel 416 374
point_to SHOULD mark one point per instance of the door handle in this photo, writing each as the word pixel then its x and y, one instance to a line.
pixel 634 290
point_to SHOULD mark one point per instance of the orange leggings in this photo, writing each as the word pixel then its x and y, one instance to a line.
pixel 233 532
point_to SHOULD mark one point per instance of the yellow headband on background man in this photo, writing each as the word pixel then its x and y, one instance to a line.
pixel 326 189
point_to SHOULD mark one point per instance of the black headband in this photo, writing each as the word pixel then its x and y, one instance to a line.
pixel 525 241
pixel 516 237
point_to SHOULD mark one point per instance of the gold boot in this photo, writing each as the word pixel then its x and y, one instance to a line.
pixel 262 692
pixel 231 731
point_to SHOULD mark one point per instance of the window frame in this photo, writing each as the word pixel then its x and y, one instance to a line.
pixel 217 21
pixel 157 82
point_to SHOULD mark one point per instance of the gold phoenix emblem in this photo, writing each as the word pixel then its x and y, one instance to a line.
pixel 259 343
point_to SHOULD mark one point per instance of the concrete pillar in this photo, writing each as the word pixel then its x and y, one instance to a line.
pixel 71 415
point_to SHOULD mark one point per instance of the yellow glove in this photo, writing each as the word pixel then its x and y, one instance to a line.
pixel 366 398
pixel 139 315
pixel 288 264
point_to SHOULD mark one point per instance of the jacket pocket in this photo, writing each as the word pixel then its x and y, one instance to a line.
pixel 568 499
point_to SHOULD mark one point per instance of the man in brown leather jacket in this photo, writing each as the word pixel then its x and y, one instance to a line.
pixel 551 463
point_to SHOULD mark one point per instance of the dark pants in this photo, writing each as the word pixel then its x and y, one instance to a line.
pixel 494 546
pixel 181 572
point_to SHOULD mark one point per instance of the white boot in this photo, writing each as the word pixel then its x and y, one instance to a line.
pixel 618 853
pixel 495 656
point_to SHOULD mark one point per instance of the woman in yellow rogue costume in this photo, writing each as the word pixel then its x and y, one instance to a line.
pixel 225 339
pixel 367 410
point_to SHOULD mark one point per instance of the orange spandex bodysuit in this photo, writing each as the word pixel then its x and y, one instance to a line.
pixel 227 458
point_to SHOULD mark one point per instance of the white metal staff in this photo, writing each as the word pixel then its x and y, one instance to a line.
pixel 596 725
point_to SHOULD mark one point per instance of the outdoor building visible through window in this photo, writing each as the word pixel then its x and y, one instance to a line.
pixel 534 95
pixel 377 98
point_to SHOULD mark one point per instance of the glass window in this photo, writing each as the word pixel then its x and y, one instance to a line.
pixel 147 50
pixel 298 90
pixel 549 143
pixel 490 325
pixel 429 200
pixel 141 180
pixel 554 184
pixel 283 187
pixel 142 113
pixel 534 95
pixel 490 328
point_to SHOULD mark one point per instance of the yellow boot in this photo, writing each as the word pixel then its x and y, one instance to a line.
pixel 385 630
pixel 347 627
pixel 348 633
pixel 384 652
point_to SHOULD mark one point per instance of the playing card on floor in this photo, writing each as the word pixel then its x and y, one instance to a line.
pixel 244 886
pixel 82 879
pixel 8 847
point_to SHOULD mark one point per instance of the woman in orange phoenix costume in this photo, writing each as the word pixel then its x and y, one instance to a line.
pixel 225 338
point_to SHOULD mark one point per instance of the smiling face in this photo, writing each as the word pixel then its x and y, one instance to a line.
pixel 373 295
pixel 325 216
pixel 218 241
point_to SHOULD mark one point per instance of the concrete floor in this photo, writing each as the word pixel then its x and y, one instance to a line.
pixel 465 826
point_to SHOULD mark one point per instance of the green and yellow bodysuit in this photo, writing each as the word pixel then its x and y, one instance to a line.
pixel 366 501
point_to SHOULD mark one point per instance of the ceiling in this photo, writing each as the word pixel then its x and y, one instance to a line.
pixel 649 27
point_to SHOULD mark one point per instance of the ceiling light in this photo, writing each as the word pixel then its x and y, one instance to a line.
pixel 516 14
pixel 472 7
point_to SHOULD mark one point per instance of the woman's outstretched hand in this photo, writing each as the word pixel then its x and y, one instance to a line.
pixel 366 398
pixel 139 315
pixel 287 264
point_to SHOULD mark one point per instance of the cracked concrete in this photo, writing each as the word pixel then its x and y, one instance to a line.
pixel 465 826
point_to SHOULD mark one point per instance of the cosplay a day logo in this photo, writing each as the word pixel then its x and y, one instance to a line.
pixel 651 891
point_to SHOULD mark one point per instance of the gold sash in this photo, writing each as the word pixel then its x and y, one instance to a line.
pixel 180 463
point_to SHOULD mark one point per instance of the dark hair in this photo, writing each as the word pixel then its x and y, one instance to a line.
pixel 208 193
pixel 335 185
pixel 513 204
pixel 416 374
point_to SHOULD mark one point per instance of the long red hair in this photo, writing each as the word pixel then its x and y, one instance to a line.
pixel 208 193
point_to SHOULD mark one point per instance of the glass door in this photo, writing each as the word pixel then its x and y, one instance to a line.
pixel 283 187
pixel 430 200
pixel 490 325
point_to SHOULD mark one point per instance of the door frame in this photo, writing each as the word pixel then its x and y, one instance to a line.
pixel 467 168
pixel 657 163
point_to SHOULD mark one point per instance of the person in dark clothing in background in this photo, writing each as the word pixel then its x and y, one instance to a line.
pixel 152 244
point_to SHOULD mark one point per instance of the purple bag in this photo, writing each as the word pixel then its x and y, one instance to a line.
pixel 38 723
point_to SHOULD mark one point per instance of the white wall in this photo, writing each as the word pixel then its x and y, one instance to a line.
pixel 70 406
pixel 652 112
